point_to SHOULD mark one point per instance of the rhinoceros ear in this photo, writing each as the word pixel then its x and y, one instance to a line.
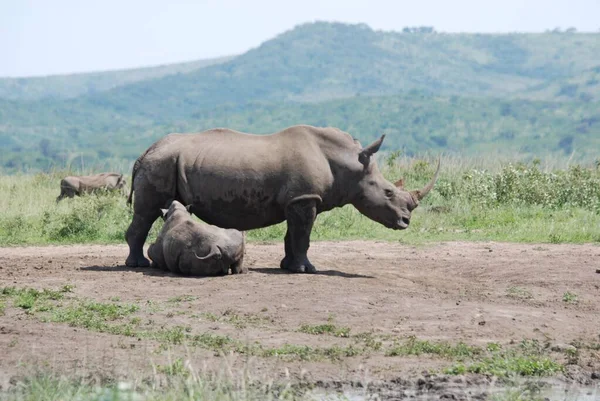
pixel 399 183
pixel 188 207
pixel 164 212
pixel 365 155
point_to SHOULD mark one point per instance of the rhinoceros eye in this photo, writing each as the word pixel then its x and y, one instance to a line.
pixel 389 193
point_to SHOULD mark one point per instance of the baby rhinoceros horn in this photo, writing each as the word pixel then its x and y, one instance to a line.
pixel 419 194
pixel 215 253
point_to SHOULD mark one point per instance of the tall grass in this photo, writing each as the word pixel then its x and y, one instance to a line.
pixel 475 199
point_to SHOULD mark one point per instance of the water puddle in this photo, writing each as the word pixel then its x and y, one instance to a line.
pixel 549 392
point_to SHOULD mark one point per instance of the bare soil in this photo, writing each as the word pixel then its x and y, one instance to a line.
pixel 459 291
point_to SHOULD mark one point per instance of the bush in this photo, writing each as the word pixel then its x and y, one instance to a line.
pixel 527 185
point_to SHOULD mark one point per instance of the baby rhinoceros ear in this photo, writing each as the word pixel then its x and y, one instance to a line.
pixel 164 212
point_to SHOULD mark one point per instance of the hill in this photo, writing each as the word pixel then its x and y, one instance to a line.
pixel 529 95
pixel 414 123
pixel 323 61
pixel 73 85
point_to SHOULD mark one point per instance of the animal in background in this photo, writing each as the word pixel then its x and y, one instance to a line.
pixel 77 185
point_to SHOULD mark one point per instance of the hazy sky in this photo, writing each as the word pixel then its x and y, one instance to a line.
pixel 41 37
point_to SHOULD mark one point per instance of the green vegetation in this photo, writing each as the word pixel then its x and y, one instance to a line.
pixel 239 321
pixel 28 298
pixel 418 347
pixel 182 298
pixel 177 368
pixel 519 293
pixel 504 202
pixel 570 297
pixel 328 328
pixel 183 384
pixel 528 359
pixel 37 137
pixel 514 94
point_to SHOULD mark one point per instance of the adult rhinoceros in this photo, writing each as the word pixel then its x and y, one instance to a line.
pixel 243 181
pixel 77 185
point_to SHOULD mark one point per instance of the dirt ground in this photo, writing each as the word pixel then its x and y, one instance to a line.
pixel 458 291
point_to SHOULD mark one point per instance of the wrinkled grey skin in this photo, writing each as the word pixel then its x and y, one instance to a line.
pixel 77 185
pixel 243 181
pixel 191 248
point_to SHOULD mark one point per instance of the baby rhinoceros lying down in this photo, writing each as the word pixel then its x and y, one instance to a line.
pixel 192 248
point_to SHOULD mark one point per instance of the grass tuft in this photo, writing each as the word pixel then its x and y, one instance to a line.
pixel 420 347
pixel 328 328
pixel 570 297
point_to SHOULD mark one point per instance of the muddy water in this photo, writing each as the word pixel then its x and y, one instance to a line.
pixel 554 392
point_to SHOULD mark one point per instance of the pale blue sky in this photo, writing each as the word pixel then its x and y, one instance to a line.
pixel 41 37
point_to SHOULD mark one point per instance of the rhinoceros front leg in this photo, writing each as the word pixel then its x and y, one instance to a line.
pixel 300 216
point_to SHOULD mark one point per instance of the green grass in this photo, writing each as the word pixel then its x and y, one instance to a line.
pixel 528 359
pixel 184 384
pixel 177 368
pixel 570 297
pixel 328 328
pixel 95 316
pixel 182 298
pixel 501 202
pixel 239 321
pixel 519 293
pixel 419 347
pixel 27 298
pixel 509 365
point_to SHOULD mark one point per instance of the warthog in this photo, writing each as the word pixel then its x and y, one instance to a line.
pixel 244 181
pixel 77 185
pixel 192 248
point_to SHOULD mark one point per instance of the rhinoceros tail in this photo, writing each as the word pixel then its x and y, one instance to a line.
pixel 136 166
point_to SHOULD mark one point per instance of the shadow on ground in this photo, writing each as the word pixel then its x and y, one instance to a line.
pixel 149 271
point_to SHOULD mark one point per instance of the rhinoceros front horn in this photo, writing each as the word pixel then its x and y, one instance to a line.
pixel 421 193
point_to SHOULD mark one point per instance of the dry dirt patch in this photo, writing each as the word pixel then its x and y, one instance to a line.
pixel 471 292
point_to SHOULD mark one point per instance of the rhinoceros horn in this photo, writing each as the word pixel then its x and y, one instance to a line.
pixel 215 252
pixel 419 194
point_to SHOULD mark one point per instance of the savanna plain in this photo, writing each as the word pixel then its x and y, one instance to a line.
pixel 493 292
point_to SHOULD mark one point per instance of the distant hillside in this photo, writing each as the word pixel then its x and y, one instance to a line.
pixel 323 61
pixel 519 94
pixel 583 87
pixel 73 85
pixel 42 137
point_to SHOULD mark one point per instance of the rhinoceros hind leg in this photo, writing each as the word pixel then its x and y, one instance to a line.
pixel 300 219
pixel 287 259
pixel 136 236
pixel 239 268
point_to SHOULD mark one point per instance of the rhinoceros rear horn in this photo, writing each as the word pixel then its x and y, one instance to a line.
pixel 215 253
pixel 421 193
pixel 367 152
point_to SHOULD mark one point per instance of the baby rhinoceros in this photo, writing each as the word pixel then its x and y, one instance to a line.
pixel 192 248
